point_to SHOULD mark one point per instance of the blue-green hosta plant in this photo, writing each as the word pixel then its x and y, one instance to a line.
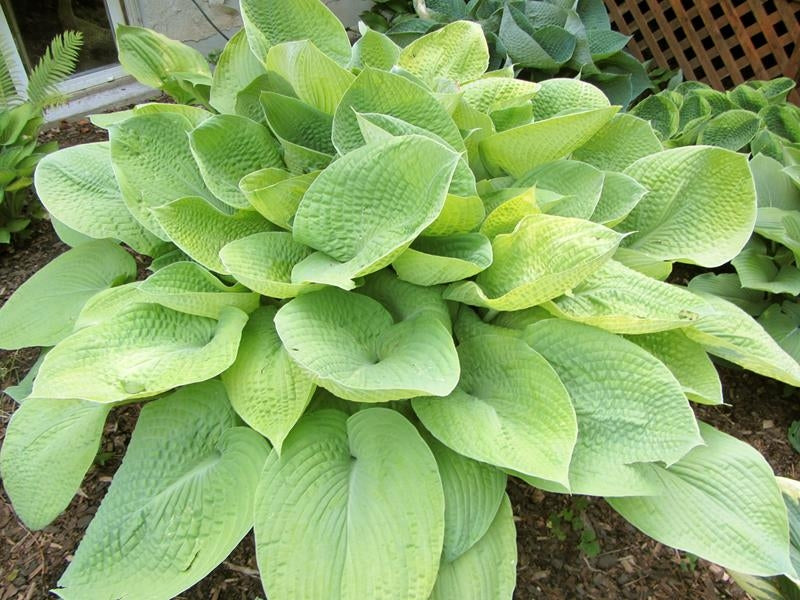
pixel 381 282
pixel 541 38
pixel 757 119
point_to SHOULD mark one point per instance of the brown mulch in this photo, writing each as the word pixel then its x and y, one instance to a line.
pixel 551 564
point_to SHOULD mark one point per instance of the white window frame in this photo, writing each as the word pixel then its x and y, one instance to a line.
pixel 87 91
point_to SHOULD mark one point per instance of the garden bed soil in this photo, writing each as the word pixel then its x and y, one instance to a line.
pixel 551 565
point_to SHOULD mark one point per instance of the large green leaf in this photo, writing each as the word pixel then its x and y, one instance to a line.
pixel 488 569
pixel 719 502
pixel 630 408
pixel 558 96
pixel 272 22
pixel 473 492
pixel 579 184
pixel 44 309
pixel 48 447
pixel 773 187
pixel 110 302
pixel 497 93
pixel 266 388
pixel 701 207
pixel 733 129
pixel 77 186
pixel 782 322
pixel 687 361
pixel 544 257
pixel 187 287
pixel 228 147
pixel 621 300
pixel 276 194
pixel 338 498
pixel 431 261
pixel 729 287
pixel 157 61
pixel 201 231
pixel 350 345
pixel 758 270
pixel 315 79
pixel 732 334
pixel 376 91
pixel 236 68
pixel 376 209
pixel 457 51
pixel 516 151
pixel 510 410
pixel 154 165
pixel 621 142
pixel 264 261
pixel 781 226
pixel 374 49
pixel 141 352
pixel 179 504
pixel 620 195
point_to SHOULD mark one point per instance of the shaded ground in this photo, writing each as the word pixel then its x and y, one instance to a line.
pixel 552 564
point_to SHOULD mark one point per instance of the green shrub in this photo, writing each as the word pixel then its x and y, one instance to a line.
pixel 21 117
pixel 754 118
pixel 550 38
pixel 369 303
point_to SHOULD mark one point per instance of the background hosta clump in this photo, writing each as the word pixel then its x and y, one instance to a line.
pixel 540 39
pixel 754 118
pixel 382 281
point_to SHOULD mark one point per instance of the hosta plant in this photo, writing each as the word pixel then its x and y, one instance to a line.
pixel 382 281
pixel 757 119
pixel 547 38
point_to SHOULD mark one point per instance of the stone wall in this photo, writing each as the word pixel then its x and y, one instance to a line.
pixel 180 19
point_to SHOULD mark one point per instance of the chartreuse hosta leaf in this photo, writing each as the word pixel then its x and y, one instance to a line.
pixel 730 333
pixel 581 186
pixel 303 131
pixel 44 309
pixel 696 507
pixel 487 569
pixel 350 345
pixel 516 151
pixel 508 207
pixel 201 231
pixel 557 96
pixel 457 51
pixel 782 322
pixel 630 409
pixel 378 210
pixel 498 93
pixel 376 91
pixel 48 447
pixel 620 195
pixel 621 142
pixel 153 164
pixel 374 49
pixel 264 262
pixel 276 194
pixel 473 492
pixel 194 114
pixel 687 215
pixel 315 78
pixel 510 409
pixel 431 261
pixel 77 186
pixel 23 389
pixel 236 68
pixel 156 61
pixel 759 271
pixel 141 352
pixel 272 22
pixel 338 498
pixel 266 388
pixel 544 257
pixel 187 287
pixel 110 302
pixel 687 361
pixel 781 226
pixel 181 501
pixel 228 147
pixel 622 300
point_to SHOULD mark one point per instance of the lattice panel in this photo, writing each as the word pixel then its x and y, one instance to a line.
pixel 721 42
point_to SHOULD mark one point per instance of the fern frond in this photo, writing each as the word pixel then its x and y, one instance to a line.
pixel 56 64
pixel 9 95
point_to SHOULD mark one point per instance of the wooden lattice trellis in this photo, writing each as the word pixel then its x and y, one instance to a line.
pixel 721 42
